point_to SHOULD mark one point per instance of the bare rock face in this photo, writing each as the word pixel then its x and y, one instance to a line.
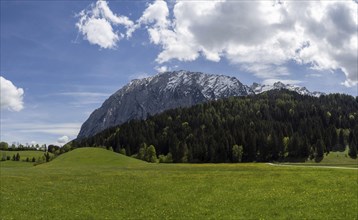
pixel 152 95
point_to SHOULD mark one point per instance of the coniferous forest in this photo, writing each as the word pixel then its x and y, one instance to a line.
pixel 277 125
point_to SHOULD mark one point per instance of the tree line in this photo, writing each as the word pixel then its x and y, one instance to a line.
pixel 277 125
pixel 54 149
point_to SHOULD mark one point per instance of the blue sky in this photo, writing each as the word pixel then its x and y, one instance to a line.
pixel 61 59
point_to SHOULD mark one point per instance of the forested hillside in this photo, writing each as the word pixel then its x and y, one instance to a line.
pixel 274 126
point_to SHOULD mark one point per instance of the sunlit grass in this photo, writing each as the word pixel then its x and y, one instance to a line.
pixel 99 184
pixel 336 159
pixel 23 154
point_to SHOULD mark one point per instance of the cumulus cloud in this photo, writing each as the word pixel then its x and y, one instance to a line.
pixel 176 42
pixel 11 97
pixel 162 69
pixel 97 24
pixel 260 37
pixel 62 140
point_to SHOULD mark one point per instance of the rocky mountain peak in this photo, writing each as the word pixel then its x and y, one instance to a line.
pixel 168 90
pixel 152 95
pixel 258 88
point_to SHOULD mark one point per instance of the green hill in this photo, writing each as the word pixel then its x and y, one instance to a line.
pixel 89 156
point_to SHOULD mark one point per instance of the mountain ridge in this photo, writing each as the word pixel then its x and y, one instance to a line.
pixel 259 88
pixel 279 125
pixel 147 96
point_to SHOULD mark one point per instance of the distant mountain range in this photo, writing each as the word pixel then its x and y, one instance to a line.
pixel 152 95
pixel 257 88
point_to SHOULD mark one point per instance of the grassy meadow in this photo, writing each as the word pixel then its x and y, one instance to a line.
pixel 93 183
pixel 23 154
pixel 337 159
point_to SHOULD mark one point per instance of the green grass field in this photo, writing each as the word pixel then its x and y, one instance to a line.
pixel 93 183
pixel 23 154
pixel 337 159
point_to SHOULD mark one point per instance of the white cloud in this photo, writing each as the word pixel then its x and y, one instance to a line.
pixel 260 37
pixel 157 13
pixel 316 75
pixel 96 25
pixel 85 94
pixel 62 140
pixel 138 76
pixel 11 96
pixel 102 9
pixel 175 43
pixel 99 31
pixel 85 98
pixel 68 129
pixel 162 69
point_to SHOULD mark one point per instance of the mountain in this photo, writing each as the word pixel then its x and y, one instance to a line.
pixel 152 95
pixel 148 96
pixel 279 125
pixel 257 89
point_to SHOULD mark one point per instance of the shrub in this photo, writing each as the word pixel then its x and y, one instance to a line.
pixel 165 158
pixel 352 150
pixel 151 154
pixel 162 158
pixel 123 151
pixel 3 158
pixel 17 157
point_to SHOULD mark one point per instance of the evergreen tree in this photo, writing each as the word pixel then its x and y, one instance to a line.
pixel 251 140
pixel 17 158
pixel 319 150
pixel 353 148
pixel 183 152
pixel 334 136
pixel 4 146
pixel 47 156
pixel 342 146
pixel 351 136
pixel 294 146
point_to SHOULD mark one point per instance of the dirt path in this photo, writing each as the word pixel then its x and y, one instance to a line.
pixel 329 167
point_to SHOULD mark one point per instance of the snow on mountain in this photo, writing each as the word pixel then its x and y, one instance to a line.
pixel 257 89
pixel 152 95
